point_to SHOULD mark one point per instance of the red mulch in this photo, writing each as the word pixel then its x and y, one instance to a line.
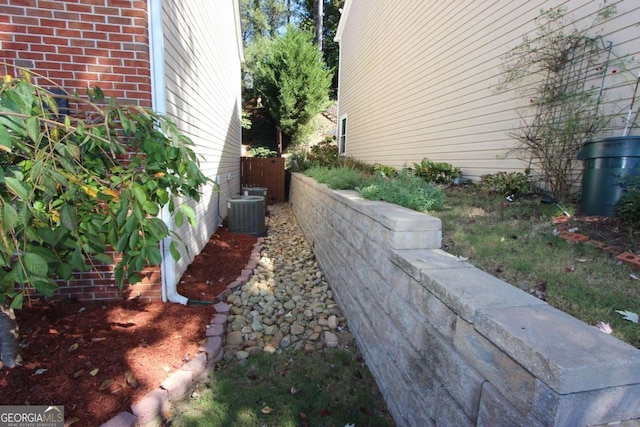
pixel 97 358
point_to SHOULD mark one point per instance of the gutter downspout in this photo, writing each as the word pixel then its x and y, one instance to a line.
pixel 159 103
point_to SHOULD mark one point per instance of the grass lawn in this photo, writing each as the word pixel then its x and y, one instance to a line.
pixel 515 241
pixel 330 387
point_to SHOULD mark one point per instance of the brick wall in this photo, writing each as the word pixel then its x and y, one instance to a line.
pixel 78 44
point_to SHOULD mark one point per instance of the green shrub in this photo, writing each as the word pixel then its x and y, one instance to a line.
pixel 385 170
pixel 323 154
pixel 437 172
pixel 505 183
pixel 628 207
pixel 405 190
pixel 342 178
pixel 359 165
pixel 262 152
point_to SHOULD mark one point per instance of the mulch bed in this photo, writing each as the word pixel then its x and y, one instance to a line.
pixel 97 358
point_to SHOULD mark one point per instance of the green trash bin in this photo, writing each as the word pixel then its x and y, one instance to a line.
pixel 606 162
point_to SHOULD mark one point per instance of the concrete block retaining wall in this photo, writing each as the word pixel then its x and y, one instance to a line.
pixel 449 344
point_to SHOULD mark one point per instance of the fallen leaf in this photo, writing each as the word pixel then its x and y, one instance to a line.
pixel 105 384
pixel 77 374
pixel 94 372
pixel 323 412
pixel 266 410
pixel 633 276
pixel 581 259
pixel 73 348
pixel 73 420
pixel 303 416
pixel 294 390
pixel 131 379
pixel 462 258
pixel 604 327
pixel 628 315
pixel 40 371
pixel 570 269
pixel 97 339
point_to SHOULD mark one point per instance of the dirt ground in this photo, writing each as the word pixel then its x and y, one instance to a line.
pixel 97 358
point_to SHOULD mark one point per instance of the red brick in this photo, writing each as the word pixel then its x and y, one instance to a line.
pixel 82 43
pixel 37 56
pixel 60 75
pixel 80 25
pixel 124 38
pixel 25 38
pixel 94 35
pixel 67 16
pixel 24 20
pixel 106 11
pixel 54 23
pixel 12 10
pixel 111 78
pixel 105 60
pixel 119 20
pixel 93 18
pixel 85 59
pixel 15 46
pixel 56 5
pixel 134 13
pixel 82 8
pixel 69 50
pixel 58 41
pixel 68 33
pixel 40 13
pixel 108 28
pixel 58 57
pixel 114 47
pixel 96 52
pixel 45 31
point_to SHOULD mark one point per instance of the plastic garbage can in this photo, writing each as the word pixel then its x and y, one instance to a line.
pixel 606 162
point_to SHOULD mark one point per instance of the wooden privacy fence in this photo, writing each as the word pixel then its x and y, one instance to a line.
pixel 268 173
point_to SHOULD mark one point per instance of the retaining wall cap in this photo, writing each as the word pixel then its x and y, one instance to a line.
pixel 413 261
pixel 467 290
pixel 565 353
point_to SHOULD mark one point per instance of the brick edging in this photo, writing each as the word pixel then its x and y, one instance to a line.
pixel 154 407
pixel 565 233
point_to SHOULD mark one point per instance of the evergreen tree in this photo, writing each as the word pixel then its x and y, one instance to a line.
pixel 293 82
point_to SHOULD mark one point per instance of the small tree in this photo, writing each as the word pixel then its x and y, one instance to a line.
pixel 293 82
pixel 560 73
pixel 75 189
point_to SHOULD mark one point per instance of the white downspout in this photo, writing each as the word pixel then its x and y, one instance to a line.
pixel 159 103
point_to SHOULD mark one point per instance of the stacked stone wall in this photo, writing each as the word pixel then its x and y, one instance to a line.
pixel 449 344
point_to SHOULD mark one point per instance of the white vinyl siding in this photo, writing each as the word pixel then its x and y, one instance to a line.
pixel 419 80
pixel 202 73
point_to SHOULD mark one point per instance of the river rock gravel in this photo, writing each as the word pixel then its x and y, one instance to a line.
pixel 287 302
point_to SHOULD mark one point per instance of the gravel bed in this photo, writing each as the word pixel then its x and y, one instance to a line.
pixel 287 303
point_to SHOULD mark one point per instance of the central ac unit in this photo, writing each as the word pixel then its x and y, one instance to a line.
pixel 246 215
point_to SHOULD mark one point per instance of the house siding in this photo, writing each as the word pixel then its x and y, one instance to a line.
pixel 418 81
pixel 202 73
